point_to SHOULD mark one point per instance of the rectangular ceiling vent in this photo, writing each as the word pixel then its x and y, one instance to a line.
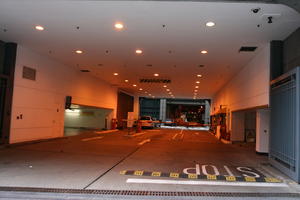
pixel 29 73
pixel 154 80
pixel 247 49
pixel 85 70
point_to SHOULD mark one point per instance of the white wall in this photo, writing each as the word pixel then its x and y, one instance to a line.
pixel 249 88
pixel 41 102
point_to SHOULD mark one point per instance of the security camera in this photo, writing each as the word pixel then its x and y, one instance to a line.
pixel 255 10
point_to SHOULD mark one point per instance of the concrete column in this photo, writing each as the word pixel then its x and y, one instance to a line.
pixel 238 127
pixel 163 109
pixel 262 130
pixel 207 113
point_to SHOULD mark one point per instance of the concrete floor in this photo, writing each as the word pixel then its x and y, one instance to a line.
pixel 94 161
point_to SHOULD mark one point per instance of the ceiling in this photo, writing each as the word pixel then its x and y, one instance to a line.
pixel 171 35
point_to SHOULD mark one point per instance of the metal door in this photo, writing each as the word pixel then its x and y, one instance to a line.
pixel 284 135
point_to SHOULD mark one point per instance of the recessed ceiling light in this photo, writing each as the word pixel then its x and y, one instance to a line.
pixel 196 90
pixel 197 82
pixel 168 90
pixel 146 92
pixel 134 85
pixel 210 24
pixel 138 51
pixel 141 89
pixel 79 51
pixel 116 74
pixel 149 94
pixel 156 74
pixel 199 75
pixel 126 81
pixel 39 28
pixel 119 26
pixel 204 52
pixel 165 86
pixel 196 86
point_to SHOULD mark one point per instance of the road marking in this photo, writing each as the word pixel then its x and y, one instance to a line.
pixel 144 141
pixel 93 138
pixel 108 131
pixel 134 135
pixel 177 182
pixel 208 177
pixel 173 138
pixel 182 135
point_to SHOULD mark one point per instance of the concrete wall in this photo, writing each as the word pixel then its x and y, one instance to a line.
pixel 249 88
pixel 291 51
pixel 40 103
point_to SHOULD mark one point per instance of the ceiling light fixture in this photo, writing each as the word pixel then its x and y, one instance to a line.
pixel 199 75
pixel 126 81
pixel 197 82
pixel 79 51
pixel 210 24
pixel 134 85
pixel 141 89
pixel 138 51
pixel 156 74
pixel 168 90
pixel 39 28
pixel 116 74
pixel 119 26
pixel 165 86
pixel 204 52
pixel 196 86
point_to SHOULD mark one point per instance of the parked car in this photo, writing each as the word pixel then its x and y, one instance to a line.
pixel 147 122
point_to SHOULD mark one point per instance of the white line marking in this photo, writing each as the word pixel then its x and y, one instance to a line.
pixel 108 131
pixel 173 138
pixel 160 181
pixel 144 141
pixel 93 138
pixel 182 135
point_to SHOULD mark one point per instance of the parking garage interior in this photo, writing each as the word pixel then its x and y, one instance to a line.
pixel 225 74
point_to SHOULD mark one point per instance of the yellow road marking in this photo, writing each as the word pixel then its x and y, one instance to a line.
pixel 174 175
pixel 156 174
pixel 192 176
pixel 272 180
pixel 230 178
pixel 250 179
pixel 212 177
pixel 138 173
pixel 123 172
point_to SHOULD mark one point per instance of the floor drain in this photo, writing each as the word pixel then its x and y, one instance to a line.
pixel 147 193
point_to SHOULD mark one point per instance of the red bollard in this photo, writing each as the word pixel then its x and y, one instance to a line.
pixel 139 127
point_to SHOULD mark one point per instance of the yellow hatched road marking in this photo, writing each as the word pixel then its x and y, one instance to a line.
pixel 192 176
pixel 212 177
pixel 139 173
pixel 250 179
pixel 230 178
pixel 156 174
pixel 174 175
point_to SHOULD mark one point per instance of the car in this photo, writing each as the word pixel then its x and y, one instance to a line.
pixel 147 122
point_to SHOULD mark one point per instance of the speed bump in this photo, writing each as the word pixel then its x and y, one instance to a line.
pixel 175 175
